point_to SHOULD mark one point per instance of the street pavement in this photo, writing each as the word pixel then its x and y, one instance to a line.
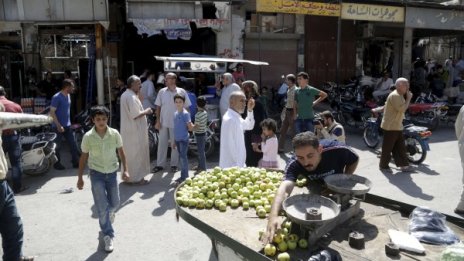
pixel 60 221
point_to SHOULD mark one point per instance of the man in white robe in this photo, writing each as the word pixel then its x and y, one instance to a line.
pixel 232 147
pixel 229 88
pixel 134 132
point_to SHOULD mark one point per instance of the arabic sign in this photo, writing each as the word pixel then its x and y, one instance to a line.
pixel 155 26
pixel 297 7
pixel 382 13
pixel 434 19
pixel 184 34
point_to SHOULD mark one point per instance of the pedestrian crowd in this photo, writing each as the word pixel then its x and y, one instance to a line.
pixel 248 136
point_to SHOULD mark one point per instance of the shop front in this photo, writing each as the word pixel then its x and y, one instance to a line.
pixel 54 38
pixel 379 33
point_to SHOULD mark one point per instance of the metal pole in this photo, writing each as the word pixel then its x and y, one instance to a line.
pixel 339 34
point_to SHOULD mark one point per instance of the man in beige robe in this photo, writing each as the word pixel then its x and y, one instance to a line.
pixel 134 132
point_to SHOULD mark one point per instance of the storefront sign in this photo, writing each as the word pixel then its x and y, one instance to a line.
pixel 297 7
pixel 155 26
pixel 434 19
pixel 382 13
pixel 184 34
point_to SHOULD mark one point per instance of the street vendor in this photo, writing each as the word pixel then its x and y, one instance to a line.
pixel 315 162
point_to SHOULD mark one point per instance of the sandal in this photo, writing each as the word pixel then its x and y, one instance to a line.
pixel 177 182
pixel 26 258
pixel 142 182
pixel 157 168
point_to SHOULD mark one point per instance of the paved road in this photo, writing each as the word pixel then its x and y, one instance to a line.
pixel 63 226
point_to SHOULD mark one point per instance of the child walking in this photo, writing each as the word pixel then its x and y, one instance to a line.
pixel 269 145
pixel 201 120
pixel 182 125
pixel 99 146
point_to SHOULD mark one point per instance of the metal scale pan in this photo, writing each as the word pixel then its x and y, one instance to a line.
pixel 297 207
pixel 348 184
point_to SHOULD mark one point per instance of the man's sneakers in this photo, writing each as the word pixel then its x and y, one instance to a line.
pixel 108 244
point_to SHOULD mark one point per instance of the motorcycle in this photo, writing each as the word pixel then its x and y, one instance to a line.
pixel 83 124
pixel 426 114
pixel 415 137
pixel 446 112
pixel 211 139
pixel 38 153
pixel 351 115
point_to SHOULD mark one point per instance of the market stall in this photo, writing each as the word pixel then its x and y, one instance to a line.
pixel 235 232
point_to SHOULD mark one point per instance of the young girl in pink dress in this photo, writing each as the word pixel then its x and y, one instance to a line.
pixel 269 145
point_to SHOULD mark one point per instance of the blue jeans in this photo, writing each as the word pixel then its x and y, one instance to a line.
pixel 12 147
pixel 11 226
pixel 68 134
pixel 182 146
pixel 302 125
pixel 105 191
pixel 201 138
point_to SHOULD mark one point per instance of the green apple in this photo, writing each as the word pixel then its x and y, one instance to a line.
pixel 287 224
pixel 270 250
pixel 245 205
pixel 233 194
pixel 283 257
pixel 236 186
pixel 223 207
pixel 303 243
pixel 217 203
pixel 200 204
pixel 210 194
pixel 188 181
pixel 261 212
pixel 192 202
pixel 285 231
pixel 267 208
pixel 209 203
pixel 291 245
pixel 282 246
pixel 234 203
pixel 293 237
pixel 278 238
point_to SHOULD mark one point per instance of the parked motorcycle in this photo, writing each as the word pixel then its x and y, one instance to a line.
pixel 415 137
pixel 38 153
pixel 446 112
pixel 352 115
pixel 211 139
pixel 83 124
pixel 425 114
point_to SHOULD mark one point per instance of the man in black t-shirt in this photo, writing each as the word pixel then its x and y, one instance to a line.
pixel 314 162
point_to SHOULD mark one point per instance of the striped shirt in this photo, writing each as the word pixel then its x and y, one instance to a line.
pixel 201 119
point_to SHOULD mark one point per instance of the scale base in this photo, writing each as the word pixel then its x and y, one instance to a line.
pixel 314 233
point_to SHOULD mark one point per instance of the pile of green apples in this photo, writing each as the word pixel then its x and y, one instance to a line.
pixel 233 187
pixel 301 181
pixel 284 241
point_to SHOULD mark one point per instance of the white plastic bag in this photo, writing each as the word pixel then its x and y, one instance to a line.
pixel 405 241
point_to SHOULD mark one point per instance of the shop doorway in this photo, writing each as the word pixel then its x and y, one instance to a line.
pixel 139 50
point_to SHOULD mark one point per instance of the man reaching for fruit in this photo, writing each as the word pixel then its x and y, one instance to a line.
pixel 314 163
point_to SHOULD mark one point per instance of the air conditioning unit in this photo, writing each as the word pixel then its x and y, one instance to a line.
pixel 368 30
